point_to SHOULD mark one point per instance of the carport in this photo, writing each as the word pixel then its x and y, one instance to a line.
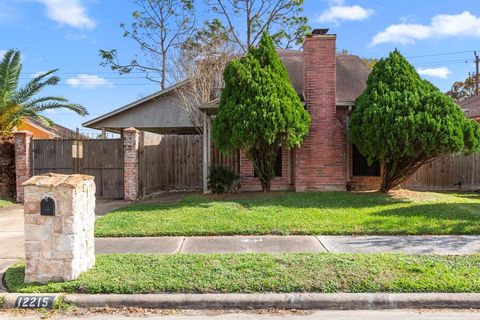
pixel 162 114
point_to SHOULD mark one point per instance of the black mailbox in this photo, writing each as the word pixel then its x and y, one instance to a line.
pixel 47 207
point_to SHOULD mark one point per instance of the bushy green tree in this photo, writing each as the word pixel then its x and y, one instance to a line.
pixel 259 112
pixel 462 90
pixel 403 121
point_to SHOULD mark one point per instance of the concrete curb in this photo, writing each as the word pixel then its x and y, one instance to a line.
pixel 305 301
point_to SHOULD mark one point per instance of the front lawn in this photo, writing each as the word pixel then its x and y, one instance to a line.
pixel 334 213
pixel 322 272
pixel 4 203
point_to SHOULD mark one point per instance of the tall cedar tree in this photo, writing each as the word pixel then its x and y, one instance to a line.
pixel 403 121
pixel 259 112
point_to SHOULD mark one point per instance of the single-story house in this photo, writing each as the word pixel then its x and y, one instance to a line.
pixel 328 84
pixel 42 131
pixel 471 106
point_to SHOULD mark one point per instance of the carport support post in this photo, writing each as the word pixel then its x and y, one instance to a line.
pixel 205 154
pixel 23 140
pixel 209 145
pixel 130 170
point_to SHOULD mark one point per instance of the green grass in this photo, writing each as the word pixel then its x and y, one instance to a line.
pixel 335 213
pixel 4 203
pixel 321 272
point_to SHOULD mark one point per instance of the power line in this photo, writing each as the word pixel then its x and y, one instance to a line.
pixel 93 77
pixel 87 72
pixel 442 62
pixel 440 54
pixel 107 85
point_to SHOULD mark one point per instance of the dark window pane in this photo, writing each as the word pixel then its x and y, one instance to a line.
pixel 361 167
pixel 278 164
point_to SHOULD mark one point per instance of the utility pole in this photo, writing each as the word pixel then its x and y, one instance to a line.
pixel 477 61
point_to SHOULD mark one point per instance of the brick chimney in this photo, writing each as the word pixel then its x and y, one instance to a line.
pixel 320 162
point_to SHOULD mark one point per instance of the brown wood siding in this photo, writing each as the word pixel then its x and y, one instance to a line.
pixel 449 172
pixel 174 162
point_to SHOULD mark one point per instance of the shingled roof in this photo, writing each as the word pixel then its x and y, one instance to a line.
pixel 351 77
pixel 352 74
pixel 471 106
pixel 57 130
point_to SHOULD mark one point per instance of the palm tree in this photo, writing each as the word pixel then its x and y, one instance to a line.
pixel 17 103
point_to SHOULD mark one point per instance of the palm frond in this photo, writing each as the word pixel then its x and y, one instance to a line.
pixel 52 105
pixel 10 69
pixel 16 104
pixel 34 87
pixel 44 120
pixel 43 75
pixel 33 102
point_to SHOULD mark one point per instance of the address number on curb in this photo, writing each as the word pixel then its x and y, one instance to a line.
pixel 34 302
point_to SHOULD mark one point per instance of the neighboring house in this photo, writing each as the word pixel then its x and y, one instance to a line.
pixel 471 106
pixel 327 82
pixel 42 131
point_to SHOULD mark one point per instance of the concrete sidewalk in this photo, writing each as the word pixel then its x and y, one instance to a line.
pixel 12 230
pixel 447 245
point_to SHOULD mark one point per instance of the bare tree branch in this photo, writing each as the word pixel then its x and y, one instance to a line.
pixel 159 28
pixel 259 16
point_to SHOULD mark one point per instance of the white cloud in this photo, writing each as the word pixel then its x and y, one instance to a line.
pixel 69 12
pixel 338 11
pixel 88 81
pixel 2 53
pixel 442 26
pixel 442 72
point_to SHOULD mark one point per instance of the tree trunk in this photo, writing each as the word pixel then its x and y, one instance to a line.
pixel 266 185
pixel 263 159
pixel 399 171
pixel 164 70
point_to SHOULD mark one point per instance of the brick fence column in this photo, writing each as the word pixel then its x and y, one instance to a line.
pixel 22 161
pixel 130 144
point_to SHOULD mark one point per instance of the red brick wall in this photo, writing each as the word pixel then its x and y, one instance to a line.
pixel 22 161
pixel 320 162
pixel 7 168
pixel 251 183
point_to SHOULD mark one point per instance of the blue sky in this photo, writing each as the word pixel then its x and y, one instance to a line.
pixel 67 34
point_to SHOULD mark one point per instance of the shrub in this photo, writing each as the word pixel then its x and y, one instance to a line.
pixel 259 111
pixel 403 121
pixel 223 179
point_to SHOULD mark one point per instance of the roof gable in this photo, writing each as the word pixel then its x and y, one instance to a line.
pixel 471 106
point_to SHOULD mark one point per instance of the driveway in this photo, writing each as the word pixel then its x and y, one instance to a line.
pixel 11 228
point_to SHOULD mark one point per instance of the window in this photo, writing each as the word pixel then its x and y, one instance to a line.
pixel 277 166
pixel 361 167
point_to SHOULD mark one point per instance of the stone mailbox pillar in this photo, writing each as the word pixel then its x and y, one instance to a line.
pixel 59 224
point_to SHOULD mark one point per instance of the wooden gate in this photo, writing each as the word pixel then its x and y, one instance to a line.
pixel 101 158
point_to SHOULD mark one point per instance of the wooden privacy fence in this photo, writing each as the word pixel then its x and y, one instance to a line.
pixel 169 162
pixel 100 158
pixel 449 172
